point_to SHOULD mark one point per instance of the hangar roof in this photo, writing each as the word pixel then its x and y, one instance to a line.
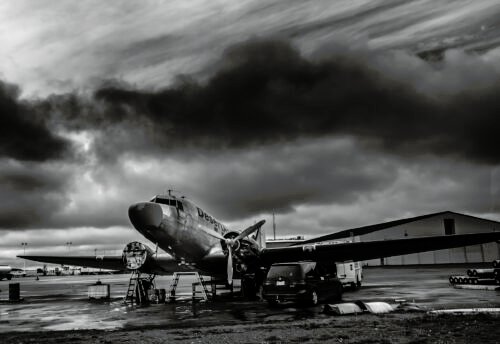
pixel 379 226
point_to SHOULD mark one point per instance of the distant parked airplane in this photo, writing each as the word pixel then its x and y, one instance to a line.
pixel 6 272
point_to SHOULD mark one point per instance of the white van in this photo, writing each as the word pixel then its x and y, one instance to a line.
pixel 350 274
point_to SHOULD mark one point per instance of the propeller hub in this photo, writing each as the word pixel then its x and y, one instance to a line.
pixel 235 244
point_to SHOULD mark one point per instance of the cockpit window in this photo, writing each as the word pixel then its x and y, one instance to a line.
pixel 165 201
pixel 180 206
pixel 162 201
pixel 170 202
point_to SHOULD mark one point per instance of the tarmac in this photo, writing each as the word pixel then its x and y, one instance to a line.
pixel 57 303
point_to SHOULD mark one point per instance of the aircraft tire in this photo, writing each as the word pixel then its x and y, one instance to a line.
pixel 251 290
pixel 260 293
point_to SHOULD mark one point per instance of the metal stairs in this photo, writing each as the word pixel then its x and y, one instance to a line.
pixel 138 288
pixel 196 295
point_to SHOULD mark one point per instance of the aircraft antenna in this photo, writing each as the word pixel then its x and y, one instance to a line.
pixel 172 191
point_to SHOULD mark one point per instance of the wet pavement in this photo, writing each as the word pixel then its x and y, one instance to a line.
pixel 60 303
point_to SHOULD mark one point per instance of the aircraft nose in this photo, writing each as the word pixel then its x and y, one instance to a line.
pixel 145 215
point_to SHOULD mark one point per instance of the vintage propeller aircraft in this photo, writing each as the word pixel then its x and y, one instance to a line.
pixel 196 241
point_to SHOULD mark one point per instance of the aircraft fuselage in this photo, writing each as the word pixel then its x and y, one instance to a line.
pixel 5 272
pixel 178 226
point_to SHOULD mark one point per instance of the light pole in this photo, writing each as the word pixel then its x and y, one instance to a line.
pixel 68 244
pixel 24 244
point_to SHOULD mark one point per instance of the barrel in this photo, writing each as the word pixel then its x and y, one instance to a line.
pixel 496 263
pixel 484 273
pixel 14 292
pixel 486 281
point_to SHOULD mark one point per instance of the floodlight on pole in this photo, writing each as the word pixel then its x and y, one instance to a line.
pixel 24 244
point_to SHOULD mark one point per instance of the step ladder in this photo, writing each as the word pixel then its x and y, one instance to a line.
pixel 173 295
pixel 138 287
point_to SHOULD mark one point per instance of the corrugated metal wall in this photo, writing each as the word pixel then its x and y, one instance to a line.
pixel 435 226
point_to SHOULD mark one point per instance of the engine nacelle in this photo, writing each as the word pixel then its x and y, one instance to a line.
pixel 136 255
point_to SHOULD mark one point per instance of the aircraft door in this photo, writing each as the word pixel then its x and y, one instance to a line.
pixel 189 222
pixel 181 214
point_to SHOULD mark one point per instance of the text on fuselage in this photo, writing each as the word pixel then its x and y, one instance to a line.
pixel 218 227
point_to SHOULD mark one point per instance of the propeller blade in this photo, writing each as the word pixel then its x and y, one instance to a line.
pixel 229 265
pixel 250 230
pixel 216 235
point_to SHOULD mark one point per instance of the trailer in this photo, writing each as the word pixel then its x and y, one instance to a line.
pixel 484 277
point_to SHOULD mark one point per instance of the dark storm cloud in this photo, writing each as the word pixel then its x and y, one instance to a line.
pixel 23 134
pixel 266 92
pixel 264 98
pixel 281 177
pixel 30 193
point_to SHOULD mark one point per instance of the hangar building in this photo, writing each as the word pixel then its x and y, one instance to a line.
pixel 442 223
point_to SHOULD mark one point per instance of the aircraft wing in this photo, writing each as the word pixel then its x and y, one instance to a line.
pixel 367 229
pixel 99 262
pixel 358 251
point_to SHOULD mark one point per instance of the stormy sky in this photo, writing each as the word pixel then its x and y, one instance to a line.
pixel 330 114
